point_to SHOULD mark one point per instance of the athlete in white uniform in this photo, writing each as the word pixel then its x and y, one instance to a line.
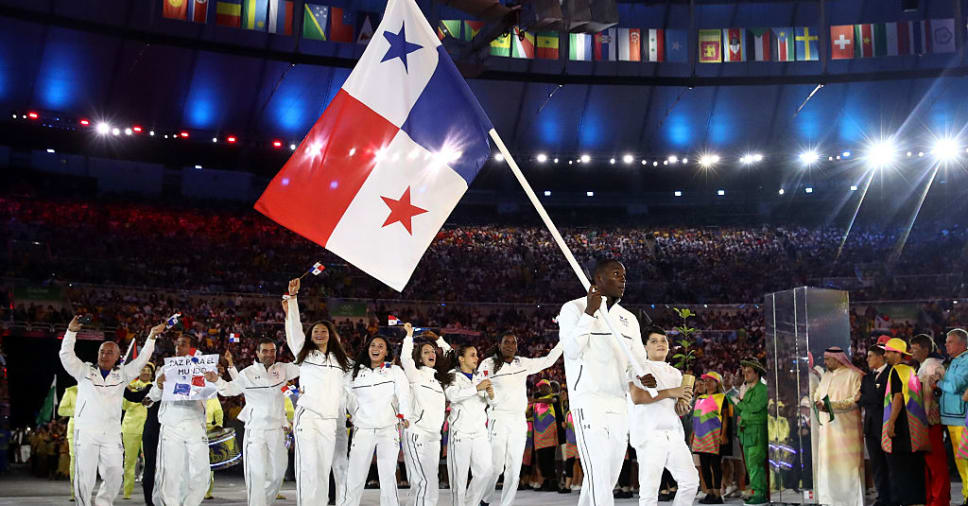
pixel 595 367
pixel 421 443
pixel 182 469
pixel 97 413
pixel 468 446
pixel 656 431
pixel 319 410
pixel 264 454
pixel 508 424
pixel 378 400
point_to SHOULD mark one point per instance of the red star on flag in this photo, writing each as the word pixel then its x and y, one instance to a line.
pixel 401 210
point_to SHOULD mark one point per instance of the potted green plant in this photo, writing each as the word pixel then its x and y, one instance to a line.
pixel 683 359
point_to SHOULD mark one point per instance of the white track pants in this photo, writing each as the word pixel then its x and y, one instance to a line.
pixel 508 435
pixel 182 467
pixel 668 450
pixel 422 454
pixel 94 452
pixel 602 441
pixel 386 442
pixel 265 459
pixel 341 460
pixel 315 443
pixel 468 452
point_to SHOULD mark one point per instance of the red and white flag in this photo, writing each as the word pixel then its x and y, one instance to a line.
pixel 392 154
pixel 734 45
pixel 656 45
pixel 842 42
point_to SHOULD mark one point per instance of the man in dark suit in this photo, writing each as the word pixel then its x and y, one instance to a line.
pixel 872 390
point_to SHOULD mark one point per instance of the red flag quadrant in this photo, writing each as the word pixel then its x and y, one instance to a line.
pixel 198 11
pixel 175 9
pixel 342 22
pixel 392 154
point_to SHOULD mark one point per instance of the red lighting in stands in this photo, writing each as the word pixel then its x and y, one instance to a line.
pixel 231 139
pixel 277 144
pixel 85 122
pixel 184 134
pixel 32 115
pixel 137 129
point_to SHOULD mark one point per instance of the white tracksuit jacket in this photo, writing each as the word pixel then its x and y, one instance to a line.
pixel 421 442
pixel 469 448
pixel 97 420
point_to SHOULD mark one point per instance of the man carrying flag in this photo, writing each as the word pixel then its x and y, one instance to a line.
pixel 97 418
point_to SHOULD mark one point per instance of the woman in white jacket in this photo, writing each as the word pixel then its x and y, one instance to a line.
pixel 319 414
pixel 468 445
pixel 421 445
pixel 378 400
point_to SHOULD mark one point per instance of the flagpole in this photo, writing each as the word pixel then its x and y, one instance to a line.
pixel 127 353
pixel 561 244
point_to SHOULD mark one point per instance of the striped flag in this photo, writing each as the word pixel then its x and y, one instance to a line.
pixel 522 44
pixel 501 45
pixel 710 46
pixel 784 44
pixel 899 38
pixel 760 44
pixel 198 11
pixel 629 44
pixel 655 44
pixel 315 22
pixel 842 42
pixel 280 16
pixel 254 14
pixel 547 45
pixel 605 45
pixel 734 45
pixel 579 47
pixel 863 41
pixel 228 13
pixel 174 9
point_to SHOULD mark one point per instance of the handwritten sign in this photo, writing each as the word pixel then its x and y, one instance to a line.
pixel 185 380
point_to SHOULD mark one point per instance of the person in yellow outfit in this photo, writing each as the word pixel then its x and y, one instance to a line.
pixel 66 408
pixel 132 427
pixel 213 420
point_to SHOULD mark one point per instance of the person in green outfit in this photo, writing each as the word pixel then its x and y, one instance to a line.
pixel 751 420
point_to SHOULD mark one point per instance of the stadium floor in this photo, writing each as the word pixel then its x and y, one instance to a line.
pixel 19 489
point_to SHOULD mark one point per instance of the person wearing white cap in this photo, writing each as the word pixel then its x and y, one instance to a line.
pixel 840 458
pixel 97 415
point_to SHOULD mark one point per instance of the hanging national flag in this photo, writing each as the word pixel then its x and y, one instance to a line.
pixel 390 157
pixel 842 42
pixel 449 28
pixel 315 21
pixel 760 44
pixel 863 41
pixel 198 11
pixel 49 407
pixel 899 37
pixel 879 36
pixel 471 28
pixel 710 46
pixel 228 13
pixel 547 45
pixel 522 44
pixel 806 44
pixel 501 45
pixel 365 22
pixel 938 35
pixel 655 42
pixel 784 44
pixel 281 16
pixel 317 269
pixel 734 45
pixel 579 47
pixel 174 9
pixel 233 337
pixel 629 44
pixel 341 24
pixel 254 14
pixel 676 46
pixel 392 320
pixel 605 45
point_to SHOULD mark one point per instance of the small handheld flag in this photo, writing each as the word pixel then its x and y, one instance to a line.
pixel 196 354
pixel 172 320
pixel 315 270
pixel 393 320
pixel 233 337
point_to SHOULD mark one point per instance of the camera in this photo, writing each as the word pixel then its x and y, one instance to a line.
pixel 85 319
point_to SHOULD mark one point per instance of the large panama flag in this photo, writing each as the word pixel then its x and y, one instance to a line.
pixel 392 154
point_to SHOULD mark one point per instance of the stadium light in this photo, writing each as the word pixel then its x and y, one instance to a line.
pixel 585 159
pixel 708 160
pixel 611 161
pixel 556 160
pixel 83 122
pixel 151 133
pixel 115 131
pixel 137 129
pixel 677 193
pixel 673 159
pixel 809 157
pixel 51 150
pixel 128 131
pixel 880 154
pixel 685 160
pixel 655 163
pixel 589 194
pixel 645 162
pixel 945 150
pixel 277 144
pixel 809 189
pixel 230 139
pixel 547 193
pixel 628 158
pixel 721 193
pixel 542 158
pixel 498 157
pixel 853 187
pixel 103 128
pixel 214 139
pixel 757 157
pixel 183 134
pixel 32 115
pixel 292 147
pixel 781 192
pixel 846 154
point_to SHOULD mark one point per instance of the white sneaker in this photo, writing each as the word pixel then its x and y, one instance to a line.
pixel 729 490
pixel 576 487
pixel 701 495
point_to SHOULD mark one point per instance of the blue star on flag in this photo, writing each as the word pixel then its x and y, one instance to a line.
pixel 399 47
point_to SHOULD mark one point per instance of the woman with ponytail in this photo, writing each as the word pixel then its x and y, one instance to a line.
pixel 470 449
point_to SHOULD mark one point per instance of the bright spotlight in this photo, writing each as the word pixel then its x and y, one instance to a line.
pixel 846 154
pixel 945 150
pixel 499 157
pixel 809 189
pixel 677 193
pixel 547 193
pixel 809 157
pixel 128 131
pixel 556 160
pixel 585 159
pixel 757 157
pixel 673 159
pixel 214 139
pixel 645 162
pixel 721 193
pixel 151 133
pixel 611 161
pixel 590 194
pixel 685 160
pixel 292 147
pixel 115 131
pixel 853 187
pixel 542 158
pixel 655 163
pixel 103 128
pixel 51 150
pixel 708 160
pixel 745 160
pixel 628 159
pixel 880 155
pixel 781 192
